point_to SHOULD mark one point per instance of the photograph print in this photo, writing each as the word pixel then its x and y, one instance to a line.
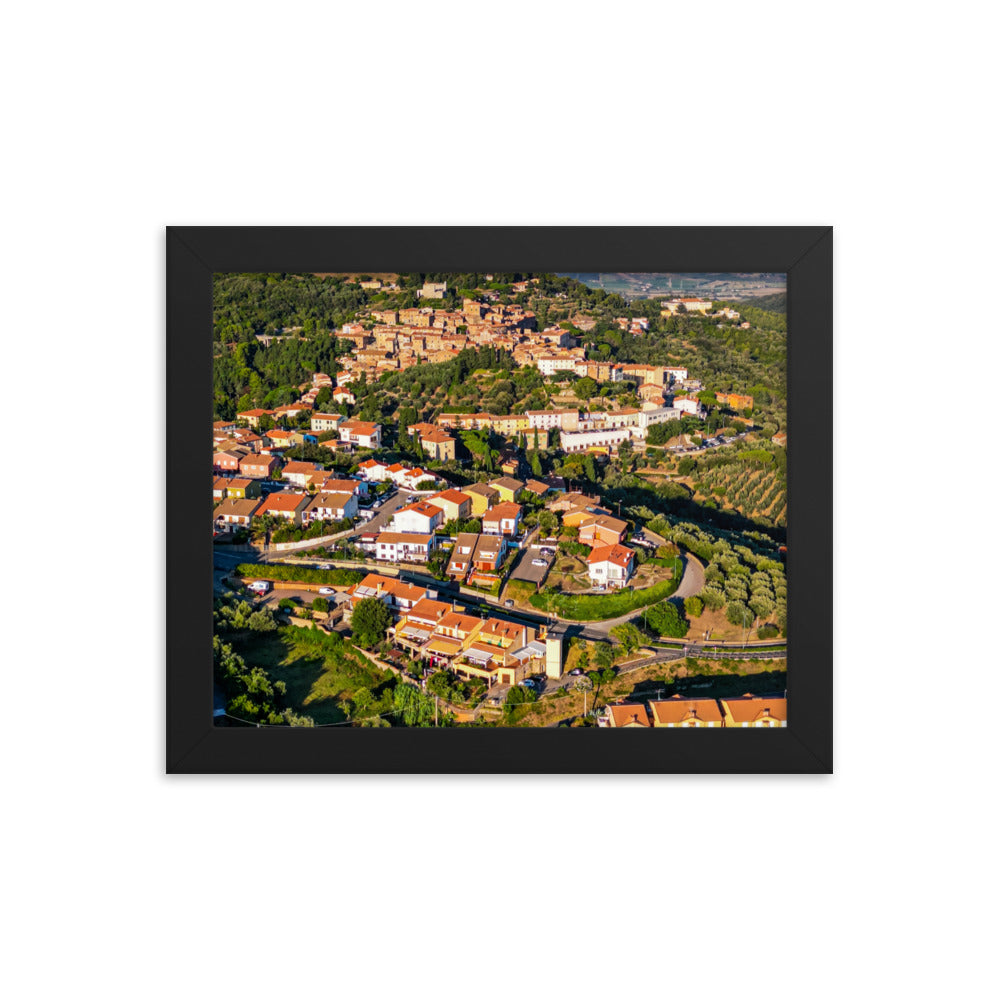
pixel 500 500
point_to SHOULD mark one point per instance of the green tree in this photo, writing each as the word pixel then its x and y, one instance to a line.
pixel 584 388
pixel 665 619
pixel 738 613
pixel 320 604
pixel 693 606
pixel 369 622
pixel 628 636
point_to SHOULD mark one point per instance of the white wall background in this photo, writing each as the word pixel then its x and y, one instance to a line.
pixel 122 118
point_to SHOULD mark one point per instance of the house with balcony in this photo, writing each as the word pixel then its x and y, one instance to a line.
pixel 421 518
pixel 503 519
pixel 611 566
pixel 415 627
pixel 360 434
pixel 460 562
pixel 331 507
pixel 374 471
pixel 399 546
pixel 299 473
pixel 286 505
pixel 232 514
pixel 397 594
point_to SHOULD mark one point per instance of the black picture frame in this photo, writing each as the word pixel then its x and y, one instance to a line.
pixel 195 745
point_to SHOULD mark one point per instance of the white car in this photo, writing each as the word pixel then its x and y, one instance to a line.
pixel 327 590
pixel 538 562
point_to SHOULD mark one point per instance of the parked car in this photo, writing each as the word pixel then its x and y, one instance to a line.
pixel 325 566
pixel 538 562
pixel 577 672
pixel 327 590
pixel 527 683
pixel 508 603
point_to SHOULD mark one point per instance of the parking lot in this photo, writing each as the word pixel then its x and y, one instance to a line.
pixel 526 568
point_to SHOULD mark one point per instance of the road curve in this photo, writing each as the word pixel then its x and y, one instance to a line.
pixel 693 580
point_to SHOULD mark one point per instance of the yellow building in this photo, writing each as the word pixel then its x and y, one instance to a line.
pixel 684 713
pixel 457 505
pixel 755 713
pixel 507 487
pixel 483 497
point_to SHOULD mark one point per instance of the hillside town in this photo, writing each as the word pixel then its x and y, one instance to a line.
pixel 489 537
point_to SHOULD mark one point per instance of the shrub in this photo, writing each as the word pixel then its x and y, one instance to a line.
pixel 767 632
pixel 693 606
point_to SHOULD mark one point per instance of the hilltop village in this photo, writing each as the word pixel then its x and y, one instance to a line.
pixel 616 496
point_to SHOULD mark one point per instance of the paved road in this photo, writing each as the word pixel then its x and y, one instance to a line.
pixel 693 580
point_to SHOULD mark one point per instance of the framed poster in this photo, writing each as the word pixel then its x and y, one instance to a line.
pixel 482 496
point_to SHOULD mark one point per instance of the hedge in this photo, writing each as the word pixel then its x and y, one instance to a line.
pixel 330 577
pixel 599 607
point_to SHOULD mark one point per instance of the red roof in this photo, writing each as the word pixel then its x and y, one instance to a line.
pixel 617 554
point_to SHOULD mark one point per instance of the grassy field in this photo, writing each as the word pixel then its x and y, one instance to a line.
pixel 318 677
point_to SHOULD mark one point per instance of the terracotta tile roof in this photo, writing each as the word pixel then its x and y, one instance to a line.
pixel 453 496
pixel 456 620
pixel 334 501
pixel 617 554
pixel 238 507
pixel 299 468
pixel 341 485
pixel 422 507
pixel 508 483
pixel 362 427
pixel 283 502
pixel 628 715
pixel 399 537
pixel 751 709
pixel 429 610
pixel 481 489
pixel 502 629
pixel 502 510
pixel 677 709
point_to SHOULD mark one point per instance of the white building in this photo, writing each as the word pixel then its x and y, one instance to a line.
pixel 331 507
pixel 549 364
pixel 571 441
pixel 374 471
pixel 361 433
pixel 418 518
pixel 545 420
pixel 610 566
pixel 396 546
